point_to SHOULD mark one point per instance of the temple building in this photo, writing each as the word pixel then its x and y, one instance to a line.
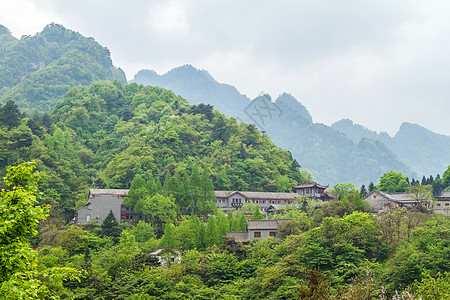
pixel 312 190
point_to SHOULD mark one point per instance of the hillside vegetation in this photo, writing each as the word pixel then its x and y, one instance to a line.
pixel 329 155
pixel 326 252
pixel 104 135
pixel 36 71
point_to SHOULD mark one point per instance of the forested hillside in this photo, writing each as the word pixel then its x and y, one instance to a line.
pixel 331 251
pixel 36 71
pixel 66 134
pixel 330 156
pixel 197 86
pixel 104 135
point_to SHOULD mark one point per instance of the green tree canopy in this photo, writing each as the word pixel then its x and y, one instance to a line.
pixel 19 216
pixel 9 115
pixel 393 182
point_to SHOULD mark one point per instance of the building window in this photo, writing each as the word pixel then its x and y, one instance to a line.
pixel 447 204
pixel 438 204
pixel 88 218
pixel 257 234
pixel 272 233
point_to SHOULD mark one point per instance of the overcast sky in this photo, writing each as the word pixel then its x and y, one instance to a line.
pixel 379 63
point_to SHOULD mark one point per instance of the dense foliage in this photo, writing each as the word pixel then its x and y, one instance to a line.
pixel 329 154
pixel 20 278
pixel 105 135
pixel 36 71
pixel 360 256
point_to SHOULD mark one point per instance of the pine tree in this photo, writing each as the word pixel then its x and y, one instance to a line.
pixel 437 188
pixel 363 191
pixel 10 115
pixel 46 121
pixel 110 227
pixel 371 187
pixel 424 180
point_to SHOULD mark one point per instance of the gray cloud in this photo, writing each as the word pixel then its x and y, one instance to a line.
pixel 377 62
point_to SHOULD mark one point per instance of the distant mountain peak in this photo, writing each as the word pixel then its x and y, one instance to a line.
pixel 53 26
pixel 145 73
pixel 291 106
pixel 189 70
pixel 344 121
pixel 408 125
pixel 4 30
pixel 263 96
pixel 413 129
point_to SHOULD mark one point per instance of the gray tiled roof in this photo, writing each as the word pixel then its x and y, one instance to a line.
pixel 264 224
pixel 258 195
pixel 308 184
pixel 400 197
pixel 396 197
pixel 108 192
pixel 239 236
pixel 445 194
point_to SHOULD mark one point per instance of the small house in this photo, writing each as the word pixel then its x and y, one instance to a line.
pixel 257 229
pixel 442 205
pixel 167 256
pixel 100 202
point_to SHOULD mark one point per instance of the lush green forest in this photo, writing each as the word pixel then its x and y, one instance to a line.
pixel 172 155
pixel 37 71
pixel 104 135
pixel 335 251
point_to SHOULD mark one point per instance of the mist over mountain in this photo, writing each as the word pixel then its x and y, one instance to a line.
pixel 197 86
pixel 329 155
pixel 36 71
pixel 423 150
